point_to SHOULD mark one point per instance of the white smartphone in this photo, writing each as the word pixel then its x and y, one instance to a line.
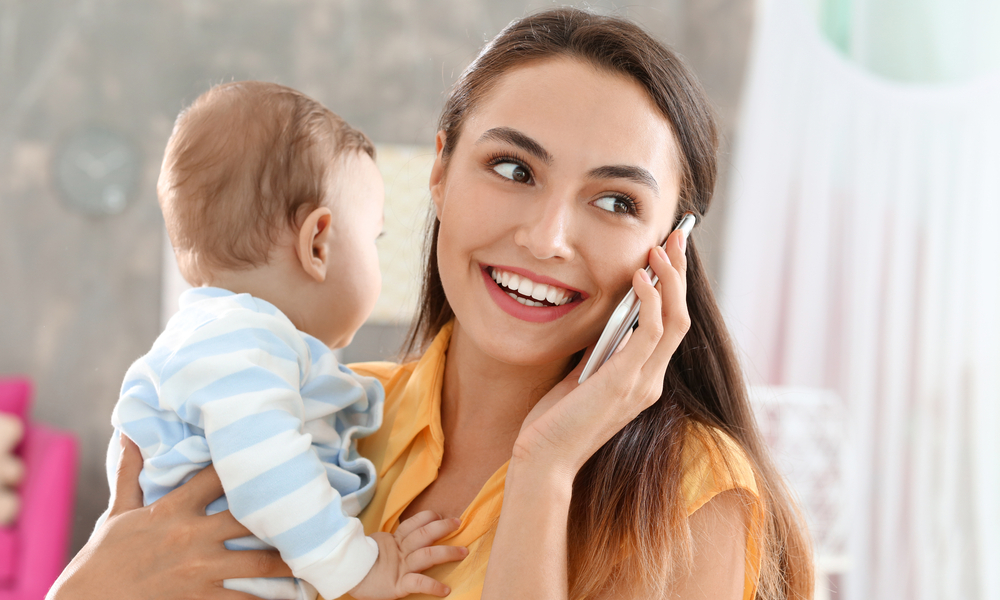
pixel 626 315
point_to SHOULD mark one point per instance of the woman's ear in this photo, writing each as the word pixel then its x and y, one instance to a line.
pixel 314 241
pixel 437 174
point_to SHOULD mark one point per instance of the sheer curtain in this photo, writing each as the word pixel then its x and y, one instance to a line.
pixel 863 256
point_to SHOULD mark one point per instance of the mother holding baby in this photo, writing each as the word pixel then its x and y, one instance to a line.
pixel 566 151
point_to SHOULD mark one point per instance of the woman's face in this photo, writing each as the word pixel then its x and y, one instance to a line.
pixel 563 175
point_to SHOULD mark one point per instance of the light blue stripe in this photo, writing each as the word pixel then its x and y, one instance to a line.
pixel 141 389
pixel 253 379
pixel 153 491
pixel 247 543
pixel 342 480
pixel 312 533
pixel 216 506
pixel 334 390
pixel 151 430
pixel 250 430
pixel 273 484
pixel 157 357
pixel 170 460
pixel 241 339
pixel 190 319
pixel 317 349
pixel 191 296
pixel 260 305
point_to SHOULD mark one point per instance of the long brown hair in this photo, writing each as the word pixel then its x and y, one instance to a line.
pixel 628 519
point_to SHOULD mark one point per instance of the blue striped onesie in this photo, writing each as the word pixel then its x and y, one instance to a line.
pixel 231 381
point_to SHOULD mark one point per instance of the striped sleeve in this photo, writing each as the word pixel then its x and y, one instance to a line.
pixel 239 381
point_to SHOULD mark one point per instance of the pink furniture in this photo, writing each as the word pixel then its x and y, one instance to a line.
pixel 33 549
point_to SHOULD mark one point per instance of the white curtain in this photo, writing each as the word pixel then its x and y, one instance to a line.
pixel 863 256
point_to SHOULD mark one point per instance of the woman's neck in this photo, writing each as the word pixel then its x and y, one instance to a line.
pixel 482 394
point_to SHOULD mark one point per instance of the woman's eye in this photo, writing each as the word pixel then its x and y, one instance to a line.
pixel 613 204
pixel 513 171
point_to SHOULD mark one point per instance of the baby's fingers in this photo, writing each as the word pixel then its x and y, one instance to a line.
pixel 428 534
pixel 427 557
pixel 415 522
pixel 414 583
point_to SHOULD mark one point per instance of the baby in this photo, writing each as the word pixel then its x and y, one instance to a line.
pixel 273 205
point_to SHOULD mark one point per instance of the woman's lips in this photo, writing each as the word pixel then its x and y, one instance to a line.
pixel 528 296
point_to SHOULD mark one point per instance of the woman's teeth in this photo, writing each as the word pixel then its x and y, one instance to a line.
pixel 529 292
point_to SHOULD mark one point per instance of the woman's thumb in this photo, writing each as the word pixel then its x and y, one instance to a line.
pixel 127 493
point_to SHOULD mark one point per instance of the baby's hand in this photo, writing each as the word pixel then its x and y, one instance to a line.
pixel 403 555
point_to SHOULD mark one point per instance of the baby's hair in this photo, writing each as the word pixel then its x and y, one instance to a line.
pixel 244 161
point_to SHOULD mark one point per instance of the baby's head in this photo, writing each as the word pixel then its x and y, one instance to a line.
pixel 266 191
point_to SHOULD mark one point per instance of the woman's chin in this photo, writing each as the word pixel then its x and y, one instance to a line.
pixel 520 346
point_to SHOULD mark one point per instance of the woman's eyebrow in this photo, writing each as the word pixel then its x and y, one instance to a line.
pixel 516 138
pixel 636 174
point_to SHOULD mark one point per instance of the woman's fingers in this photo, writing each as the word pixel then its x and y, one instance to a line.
pixel 677 251
pixel 644 339
pixel 127 493
pixel 650 321
pixel 625 339
pixel 202 489
pixel 663 317
pixel 222 593
pixel 253 563
pixel 672 271
pixel 224 526
pixel 170 552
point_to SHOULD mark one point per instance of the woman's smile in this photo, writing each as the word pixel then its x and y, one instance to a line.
pixel 529 296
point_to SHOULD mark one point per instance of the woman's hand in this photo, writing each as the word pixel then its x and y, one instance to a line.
pixel 573 421
pixel 169 549
pixel 528 557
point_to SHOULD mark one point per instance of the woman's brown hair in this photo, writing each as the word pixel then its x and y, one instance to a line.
pixel 628 524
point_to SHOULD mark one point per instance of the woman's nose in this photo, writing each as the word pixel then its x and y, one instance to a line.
pixel 546 230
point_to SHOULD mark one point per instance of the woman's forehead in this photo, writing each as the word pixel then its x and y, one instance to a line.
pixel 578 113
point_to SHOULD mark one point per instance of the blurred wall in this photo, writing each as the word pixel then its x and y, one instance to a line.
pixel 88 93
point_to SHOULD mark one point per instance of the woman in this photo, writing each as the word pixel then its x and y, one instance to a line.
pixel 565 152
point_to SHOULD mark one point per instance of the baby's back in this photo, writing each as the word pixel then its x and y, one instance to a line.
pixel 230 381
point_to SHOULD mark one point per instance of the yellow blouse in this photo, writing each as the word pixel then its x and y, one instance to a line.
pixel 408 448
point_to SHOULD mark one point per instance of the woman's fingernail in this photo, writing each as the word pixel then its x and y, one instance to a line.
pixel 663 254
pixel 683 243
pixel 645 276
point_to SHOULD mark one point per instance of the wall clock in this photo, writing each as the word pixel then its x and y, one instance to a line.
pixel 96 170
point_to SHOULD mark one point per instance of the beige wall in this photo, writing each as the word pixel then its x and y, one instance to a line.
pixel 80 295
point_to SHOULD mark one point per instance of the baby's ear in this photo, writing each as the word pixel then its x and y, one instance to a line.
pixel 314 241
